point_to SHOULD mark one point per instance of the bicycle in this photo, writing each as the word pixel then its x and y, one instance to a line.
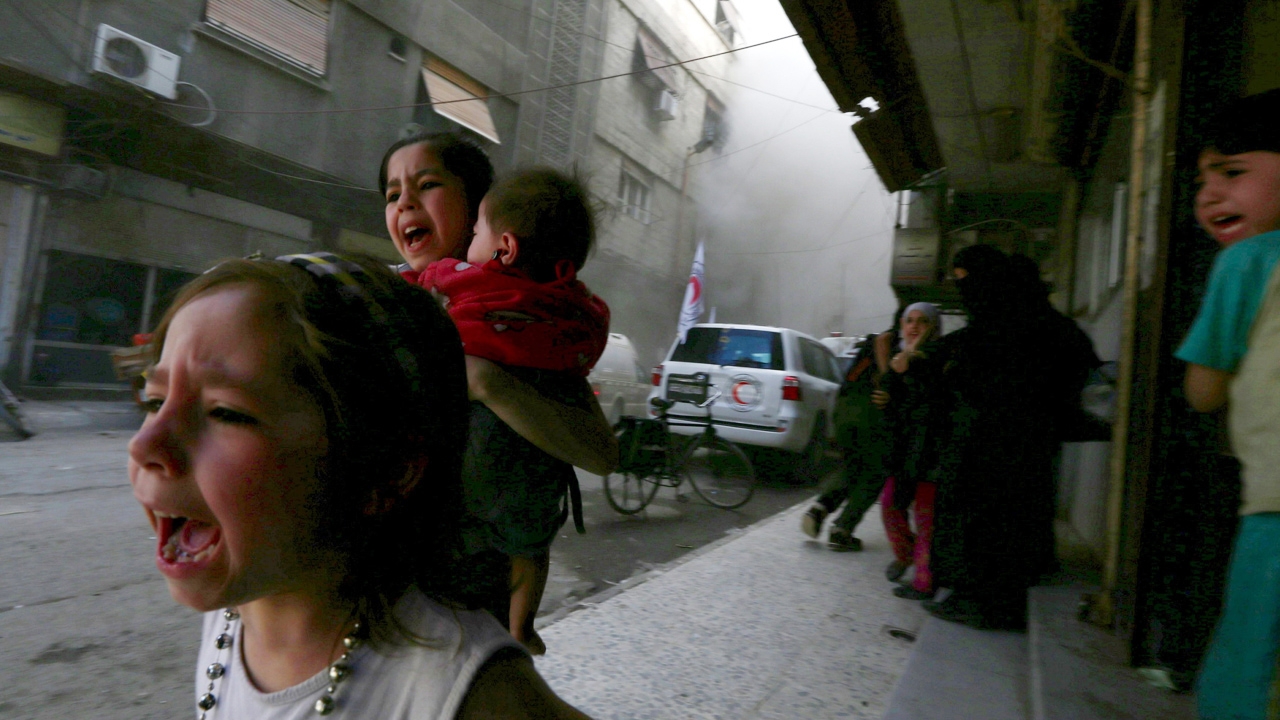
pixel 10 414
pixel 654 457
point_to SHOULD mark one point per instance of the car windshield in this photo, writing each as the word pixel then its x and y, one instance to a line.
pixel 731 346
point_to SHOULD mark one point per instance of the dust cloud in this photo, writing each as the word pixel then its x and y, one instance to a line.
pixel 798 227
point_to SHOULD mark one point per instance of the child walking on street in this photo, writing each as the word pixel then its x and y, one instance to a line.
pixel 517 302
pixel 1233 351
pixel 860 433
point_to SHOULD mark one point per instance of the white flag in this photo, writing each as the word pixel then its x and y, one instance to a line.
pixel 691 310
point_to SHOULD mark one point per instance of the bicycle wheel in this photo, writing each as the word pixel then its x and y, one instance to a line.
pixel 629 492
pixel 719 472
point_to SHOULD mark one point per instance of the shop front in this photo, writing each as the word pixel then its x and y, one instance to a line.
pixel 108 268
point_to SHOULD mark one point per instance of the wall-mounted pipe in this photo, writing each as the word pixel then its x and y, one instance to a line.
pixel 1104 608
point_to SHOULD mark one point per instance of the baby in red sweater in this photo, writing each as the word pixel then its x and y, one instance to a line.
pixel 516 299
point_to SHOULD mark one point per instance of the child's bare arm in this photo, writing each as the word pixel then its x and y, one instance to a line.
pixel 578 437
pixel 1206 387
pixel 510 688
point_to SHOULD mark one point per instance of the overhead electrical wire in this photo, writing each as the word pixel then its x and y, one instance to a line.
pixel 676 63
pixel 558 26
pixel 381 108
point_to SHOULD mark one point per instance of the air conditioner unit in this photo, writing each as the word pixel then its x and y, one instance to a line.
pixel 125 57
pixel 666 106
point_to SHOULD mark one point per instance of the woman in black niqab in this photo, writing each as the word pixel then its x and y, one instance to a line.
pixel 994 513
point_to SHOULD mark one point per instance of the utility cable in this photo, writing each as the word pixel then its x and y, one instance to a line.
pixel 209 108
pixel 575 83
pixel 551 22
pixel 558 26
pixel 306 179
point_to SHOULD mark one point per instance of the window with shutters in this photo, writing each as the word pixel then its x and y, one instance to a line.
pixel 633 196
pixel 652 63
pixel 459 98
pixel 714 131
pixel 727 20
pixel 653 68
pixel 296 30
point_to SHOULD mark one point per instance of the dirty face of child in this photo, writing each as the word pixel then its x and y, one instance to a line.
pixel 1239 195
pixel 427 214
pixel 225 464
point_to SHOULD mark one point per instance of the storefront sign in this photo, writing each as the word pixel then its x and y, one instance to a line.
pixel 31 124
pixel 915 256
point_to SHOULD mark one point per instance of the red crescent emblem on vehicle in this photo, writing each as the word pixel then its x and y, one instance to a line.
pixel 734 392
pixel 696 284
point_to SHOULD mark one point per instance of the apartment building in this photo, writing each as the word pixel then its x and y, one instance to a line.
pixel 142 141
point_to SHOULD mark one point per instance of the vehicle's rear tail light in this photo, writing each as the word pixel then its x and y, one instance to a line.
pixel 657 376
pixel 595 389
pixel 791 388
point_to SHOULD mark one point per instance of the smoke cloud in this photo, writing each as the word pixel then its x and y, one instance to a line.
pixel 798 227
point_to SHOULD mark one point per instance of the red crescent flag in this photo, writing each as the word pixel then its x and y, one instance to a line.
pixel 691 310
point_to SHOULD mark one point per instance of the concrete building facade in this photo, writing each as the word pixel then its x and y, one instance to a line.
pixel 650 127
pixel 140 141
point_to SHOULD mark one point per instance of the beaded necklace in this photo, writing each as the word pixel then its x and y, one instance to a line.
pixel 339 669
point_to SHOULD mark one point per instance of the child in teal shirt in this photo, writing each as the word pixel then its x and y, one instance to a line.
pixel 1233 351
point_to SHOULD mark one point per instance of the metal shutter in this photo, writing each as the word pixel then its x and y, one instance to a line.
pixel 458 98
pixel 296 29
pixel 652 56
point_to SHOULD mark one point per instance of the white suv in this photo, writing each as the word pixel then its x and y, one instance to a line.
pixel 778 386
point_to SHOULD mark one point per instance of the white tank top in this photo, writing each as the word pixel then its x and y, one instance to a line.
pixel 405 682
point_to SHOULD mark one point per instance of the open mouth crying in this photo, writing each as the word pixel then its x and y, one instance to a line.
pixel 186 540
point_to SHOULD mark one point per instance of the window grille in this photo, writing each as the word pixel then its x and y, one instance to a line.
pixel 714 131
pixel 564 65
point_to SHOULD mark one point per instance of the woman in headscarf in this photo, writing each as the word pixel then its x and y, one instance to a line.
pixel 915 420
pixel 1007 380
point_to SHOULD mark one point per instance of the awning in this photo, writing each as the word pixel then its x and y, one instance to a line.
pixel 860 50
pixel 459 98
pixel 654 57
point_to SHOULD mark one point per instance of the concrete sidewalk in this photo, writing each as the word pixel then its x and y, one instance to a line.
pixel 764 624
pixel 79 415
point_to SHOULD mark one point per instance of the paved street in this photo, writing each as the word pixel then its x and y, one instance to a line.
pixel 87 627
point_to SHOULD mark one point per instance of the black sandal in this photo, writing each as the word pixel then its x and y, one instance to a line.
pixel 843 541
